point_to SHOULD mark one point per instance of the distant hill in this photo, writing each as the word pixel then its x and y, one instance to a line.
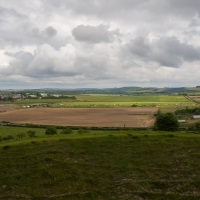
pixel 120 91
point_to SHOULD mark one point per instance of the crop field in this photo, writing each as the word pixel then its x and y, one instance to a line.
pixel 34 101
pixel 102 117
pixel 133 98
pixel 108 101
pixel 117 101
pixel 7 107
pixel 196 98
pixel 139 165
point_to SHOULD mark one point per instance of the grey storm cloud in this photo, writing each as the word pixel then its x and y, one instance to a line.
pixel 98 8
pixel 5 12
pixel 167 51
pixel 123 10
pixel 94 34
pixel 51 31
pixel 46 33
pixel 19 64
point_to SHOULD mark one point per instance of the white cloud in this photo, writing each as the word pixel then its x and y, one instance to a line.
pixel 99 43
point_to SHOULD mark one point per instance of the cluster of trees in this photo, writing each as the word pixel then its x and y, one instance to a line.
pixel 9 98
pixel 188 111
pixel 166 122
pixel 194 127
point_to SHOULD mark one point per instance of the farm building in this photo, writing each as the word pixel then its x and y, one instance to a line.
pixel 181 121
pixel 196 116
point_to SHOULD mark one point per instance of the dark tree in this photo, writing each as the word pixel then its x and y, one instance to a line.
pixel 51 130
pixel 166 122
pixel 31 133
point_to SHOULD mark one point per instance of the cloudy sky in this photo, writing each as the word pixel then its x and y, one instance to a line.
pixel 99 43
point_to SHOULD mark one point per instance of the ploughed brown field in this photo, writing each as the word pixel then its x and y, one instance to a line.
pixel 101 117
pixel 7 107
pixel 196 98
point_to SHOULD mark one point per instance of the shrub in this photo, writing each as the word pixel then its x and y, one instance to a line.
pixel 6 147
pixel 80 130
pixel 20 135
pixel 66 131
pixel 30 133
pixel 166 122
pixel 84 130
pixel 9 137
pixel 134 105
pixel 51 130
pixel 194 127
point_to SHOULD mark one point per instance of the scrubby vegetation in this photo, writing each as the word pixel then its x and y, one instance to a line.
pixel 100 165
pixel 51 130
pixel 84 130
pixel 166 122
pixel 67 131
pixel 186 111
pixel 31 133
pixel 194 127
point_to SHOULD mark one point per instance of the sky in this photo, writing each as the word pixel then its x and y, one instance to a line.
pixel 99 43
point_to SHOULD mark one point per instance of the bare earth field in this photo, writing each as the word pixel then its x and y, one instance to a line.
pixel 102 117
pixel 7 107
pixel 196 98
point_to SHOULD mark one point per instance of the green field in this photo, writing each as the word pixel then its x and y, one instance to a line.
pixel 168 102
pixel 126 101
pixel 99 165
pixel 132 98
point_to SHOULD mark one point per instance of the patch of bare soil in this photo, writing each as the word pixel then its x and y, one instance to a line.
pixel 7 107
pixel 196 98
pixel 101 117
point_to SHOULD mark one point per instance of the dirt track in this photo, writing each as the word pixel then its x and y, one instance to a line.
pixel 103 117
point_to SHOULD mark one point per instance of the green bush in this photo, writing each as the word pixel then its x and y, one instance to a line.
pixel 6 147
pixel 80 130
pixel 21 135
pixel 134 105
pixel 166 122
pixel 188 111
pixel 30 133
pixel 9 137
pixel 194 127
pixel 51 130
pixel 84 130
pixel 67 131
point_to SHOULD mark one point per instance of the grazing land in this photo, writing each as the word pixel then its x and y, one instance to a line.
pixel 99 165
pixel 133 98
pixel 96 117
pixel 99 101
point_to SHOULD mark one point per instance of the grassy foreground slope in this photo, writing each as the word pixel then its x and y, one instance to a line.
pixel 101 165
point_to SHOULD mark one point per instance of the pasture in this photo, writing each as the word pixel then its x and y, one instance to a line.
pixel 100 165
pixel 165 102
pixel 87 101
pixel 132 98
